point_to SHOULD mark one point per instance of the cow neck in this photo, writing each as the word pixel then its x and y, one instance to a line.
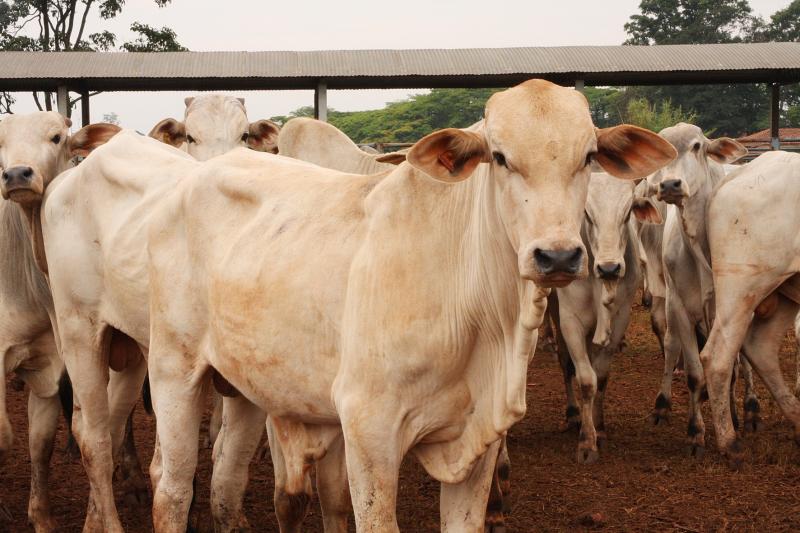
pixel 693 231
pixel 21 250
pixel 507 308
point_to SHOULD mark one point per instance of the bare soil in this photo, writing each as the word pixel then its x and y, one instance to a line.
pixel 645 480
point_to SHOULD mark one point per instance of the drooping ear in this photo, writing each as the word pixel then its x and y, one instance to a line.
pixel 169 131
pixel 725 150
pixel 188 100
pixel 90 137
pixel 644 210
pixel 262 136
pixel 394 158
pixel 630 152
pixel 449 155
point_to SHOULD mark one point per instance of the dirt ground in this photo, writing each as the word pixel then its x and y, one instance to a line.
pixel 645 480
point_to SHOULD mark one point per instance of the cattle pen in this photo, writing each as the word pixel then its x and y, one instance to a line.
pixel 644 481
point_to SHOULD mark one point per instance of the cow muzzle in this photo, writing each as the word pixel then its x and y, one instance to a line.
pixel 21 184
pixel 671 191
pixel 555 266
pixel 608 271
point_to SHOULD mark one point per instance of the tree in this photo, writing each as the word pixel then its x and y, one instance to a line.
pixel 656 117
pixel 111 118
pixel 62 25
pixel 784 25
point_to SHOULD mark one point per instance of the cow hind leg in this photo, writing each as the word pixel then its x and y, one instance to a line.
pixel 244 426
pixel 178 399
pixel 672 351
pixel 762 346
pixel 573 413
pixel 334 494
pixel 42 424
pixel 463 505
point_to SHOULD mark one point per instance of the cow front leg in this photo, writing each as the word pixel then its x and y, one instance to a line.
pixel 499 504
pixel 573 413
pixel 602 366
pixel 462 505
pixel 42 425
pixel 334 495
pixel 374 453
pixel 575 339
pixel 292 501
pixel 671 346
pixel 244 426
pixel 178 399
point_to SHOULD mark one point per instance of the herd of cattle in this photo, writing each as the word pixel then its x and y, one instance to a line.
pixel 363 306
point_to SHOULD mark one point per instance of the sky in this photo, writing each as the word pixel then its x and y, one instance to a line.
pixel 204 25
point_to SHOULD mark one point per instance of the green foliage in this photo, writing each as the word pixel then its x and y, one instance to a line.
pixel 656 117
pixel 62 25
pixel 153 40
pixel 728 109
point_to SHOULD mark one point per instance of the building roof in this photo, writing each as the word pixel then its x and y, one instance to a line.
pixel 765 136
pixel 354 69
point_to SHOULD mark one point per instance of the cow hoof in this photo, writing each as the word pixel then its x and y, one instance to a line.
pixel 588 456
pixel 698 451
pixel 734 454
pixel 659 417
pixel 751 417
pixel 43 525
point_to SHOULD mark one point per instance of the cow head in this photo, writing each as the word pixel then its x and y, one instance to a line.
pixel 35 148
pixel 609 206
pixel 539 142
pixel 692 170
pixel 214 124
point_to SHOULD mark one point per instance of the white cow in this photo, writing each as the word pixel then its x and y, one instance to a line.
pixel 406 294
pixel 324 145
pixel 34 148
pixel 313 222
pixel 753 225
pixel 686 184
pixel 594 313
pixel 214 124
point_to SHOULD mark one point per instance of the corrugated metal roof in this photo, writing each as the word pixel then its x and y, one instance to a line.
pixel 369 68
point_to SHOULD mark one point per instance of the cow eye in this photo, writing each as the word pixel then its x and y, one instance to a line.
pixel 55 139
pixel 696 147
pixel 190 139
pixel 500 159
pixel 245 135
pixel 590 158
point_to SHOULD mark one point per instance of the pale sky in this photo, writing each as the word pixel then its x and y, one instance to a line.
pixel 203 25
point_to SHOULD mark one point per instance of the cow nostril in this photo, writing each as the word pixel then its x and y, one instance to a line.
pixel 577 253
pixel 542 258
pixel 5 176
pixel 609 270
pixel 27 173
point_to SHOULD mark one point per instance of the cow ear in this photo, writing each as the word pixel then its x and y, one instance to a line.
pixel 644 210
pixel 630 152
pixel 262 136
pixel 68 122
pixel 188 100
pixel 90 137
pixel 169 131
pixel 448 155
pixel 394 158
pixel 725 150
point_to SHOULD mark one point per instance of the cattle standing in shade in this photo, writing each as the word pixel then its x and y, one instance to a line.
pixel 686 184
pixel 594 313
pixel 753 224
pixel 407 294
pixel 34 148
